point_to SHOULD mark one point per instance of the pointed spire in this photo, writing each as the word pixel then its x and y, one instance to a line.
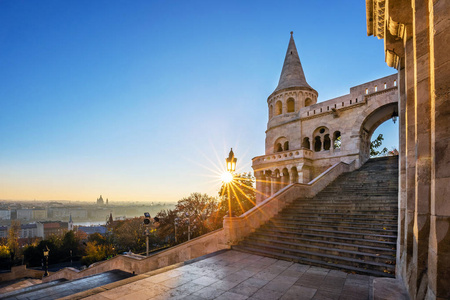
pixel 292 74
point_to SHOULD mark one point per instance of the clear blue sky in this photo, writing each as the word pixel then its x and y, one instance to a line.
pixel 141 100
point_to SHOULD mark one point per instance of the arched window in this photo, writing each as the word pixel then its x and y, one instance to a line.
pixel 270 111
pixel 290 105
pixel 337 140
pixel 305 143
pixel 278 148
pixel 308 102
pixel 278 108
pixel 326 142
pixel 317 144
pixel 286 146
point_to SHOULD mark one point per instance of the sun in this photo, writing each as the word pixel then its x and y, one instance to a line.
pixel 226 177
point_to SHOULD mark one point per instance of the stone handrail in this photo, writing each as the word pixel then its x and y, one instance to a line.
pixel 237 228
pixel 205 244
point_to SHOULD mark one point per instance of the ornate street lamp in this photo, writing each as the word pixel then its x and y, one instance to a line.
pixel 231 162
pixel 46 252
pixel 394 116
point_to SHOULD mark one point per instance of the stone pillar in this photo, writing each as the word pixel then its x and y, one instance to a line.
pixel 410 162
pixel 422 145
pixel 268 186
pixel 260 186
pixel 402 166
pixel 293 175
pixel 439 249
pixel 273 185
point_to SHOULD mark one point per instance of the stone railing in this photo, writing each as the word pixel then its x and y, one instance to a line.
pixel 205 244
pixel 281 156
pixel 21 272
pixel 237 228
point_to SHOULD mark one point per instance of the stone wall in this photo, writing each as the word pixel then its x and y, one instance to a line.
pixel 21 272
pixel 416 37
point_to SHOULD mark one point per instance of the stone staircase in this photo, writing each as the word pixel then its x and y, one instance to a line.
pixel 351 225
pixel 62 287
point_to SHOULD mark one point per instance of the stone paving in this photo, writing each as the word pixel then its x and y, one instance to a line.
pixel 236 275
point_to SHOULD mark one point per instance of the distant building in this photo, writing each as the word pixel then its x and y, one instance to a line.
pixel 100 200
pixel 31 230
pixel 25 214
pixel 5 214
pixel 3 231
pixel 39 214
pixel 93 229
pixel 57 228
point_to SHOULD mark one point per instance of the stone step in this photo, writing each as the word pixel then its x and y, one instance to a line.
pixel 348 229
pixel 294 248
pixel 343 216
pixel 384 248
pixel 320 236
pixel 298 222
pixel 312 218
pixel 347 234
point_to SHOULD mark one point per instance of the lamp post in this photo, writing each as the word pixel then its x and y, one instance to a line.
pixel 46 252
pixel 231 162
pixel 231 167
pixel 176 224
pixel 394 116
pixel 147 231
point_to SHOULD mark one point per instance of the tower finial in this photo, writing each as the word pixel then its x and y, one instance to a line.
pixel 292 33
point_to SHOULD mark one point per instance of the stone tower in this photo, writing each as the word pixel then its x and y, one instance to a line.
pixel 291 94
pixel 305 138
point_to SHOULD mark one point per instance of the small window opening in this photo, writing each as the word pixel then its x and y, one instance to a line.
pixel 337 140
pixel 395 82
pixel 367 91
pixel 356 100
pixel 335 106
pixel 317 144
pixel 286 146
pixel 307 113
pixel 279 148
pixel 305 143
pixel 350 101
pixel 290 105
pixel 320 109
pixel 322 130
pixel 342 103
pixel 376 88
pixel 278 108
pixel 326 142
pixel 385 85
pixel 328 108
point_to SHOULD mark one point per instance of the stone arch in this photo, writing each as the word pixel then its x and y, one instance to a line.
pixel 285 179
pixel 308 102
pixel 278 108
pixel 290 105
pixel 294 175
pixel 337 140
pixel 320 137
pixel 281 144
pixel 306 144
pixel 370 122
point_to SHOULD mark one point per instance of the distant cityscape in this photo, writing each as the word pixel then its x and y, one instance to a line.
pixel 40 219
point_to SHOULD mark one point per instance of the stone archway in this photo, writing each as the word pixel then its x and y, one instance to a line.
pixel 370 123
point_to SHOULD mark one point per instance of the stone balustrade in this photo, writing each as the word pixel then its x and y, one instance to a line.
pixel 282 156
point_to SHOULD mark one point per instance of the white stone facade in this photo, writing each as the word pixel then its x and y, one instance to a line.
pixel 304 138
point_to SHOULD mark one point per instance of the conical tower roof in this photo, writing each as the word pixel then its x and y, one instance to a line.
pixel 292 74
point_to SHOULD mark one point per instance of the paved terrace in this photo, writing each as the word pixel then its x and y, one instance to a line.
pixel 236 275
